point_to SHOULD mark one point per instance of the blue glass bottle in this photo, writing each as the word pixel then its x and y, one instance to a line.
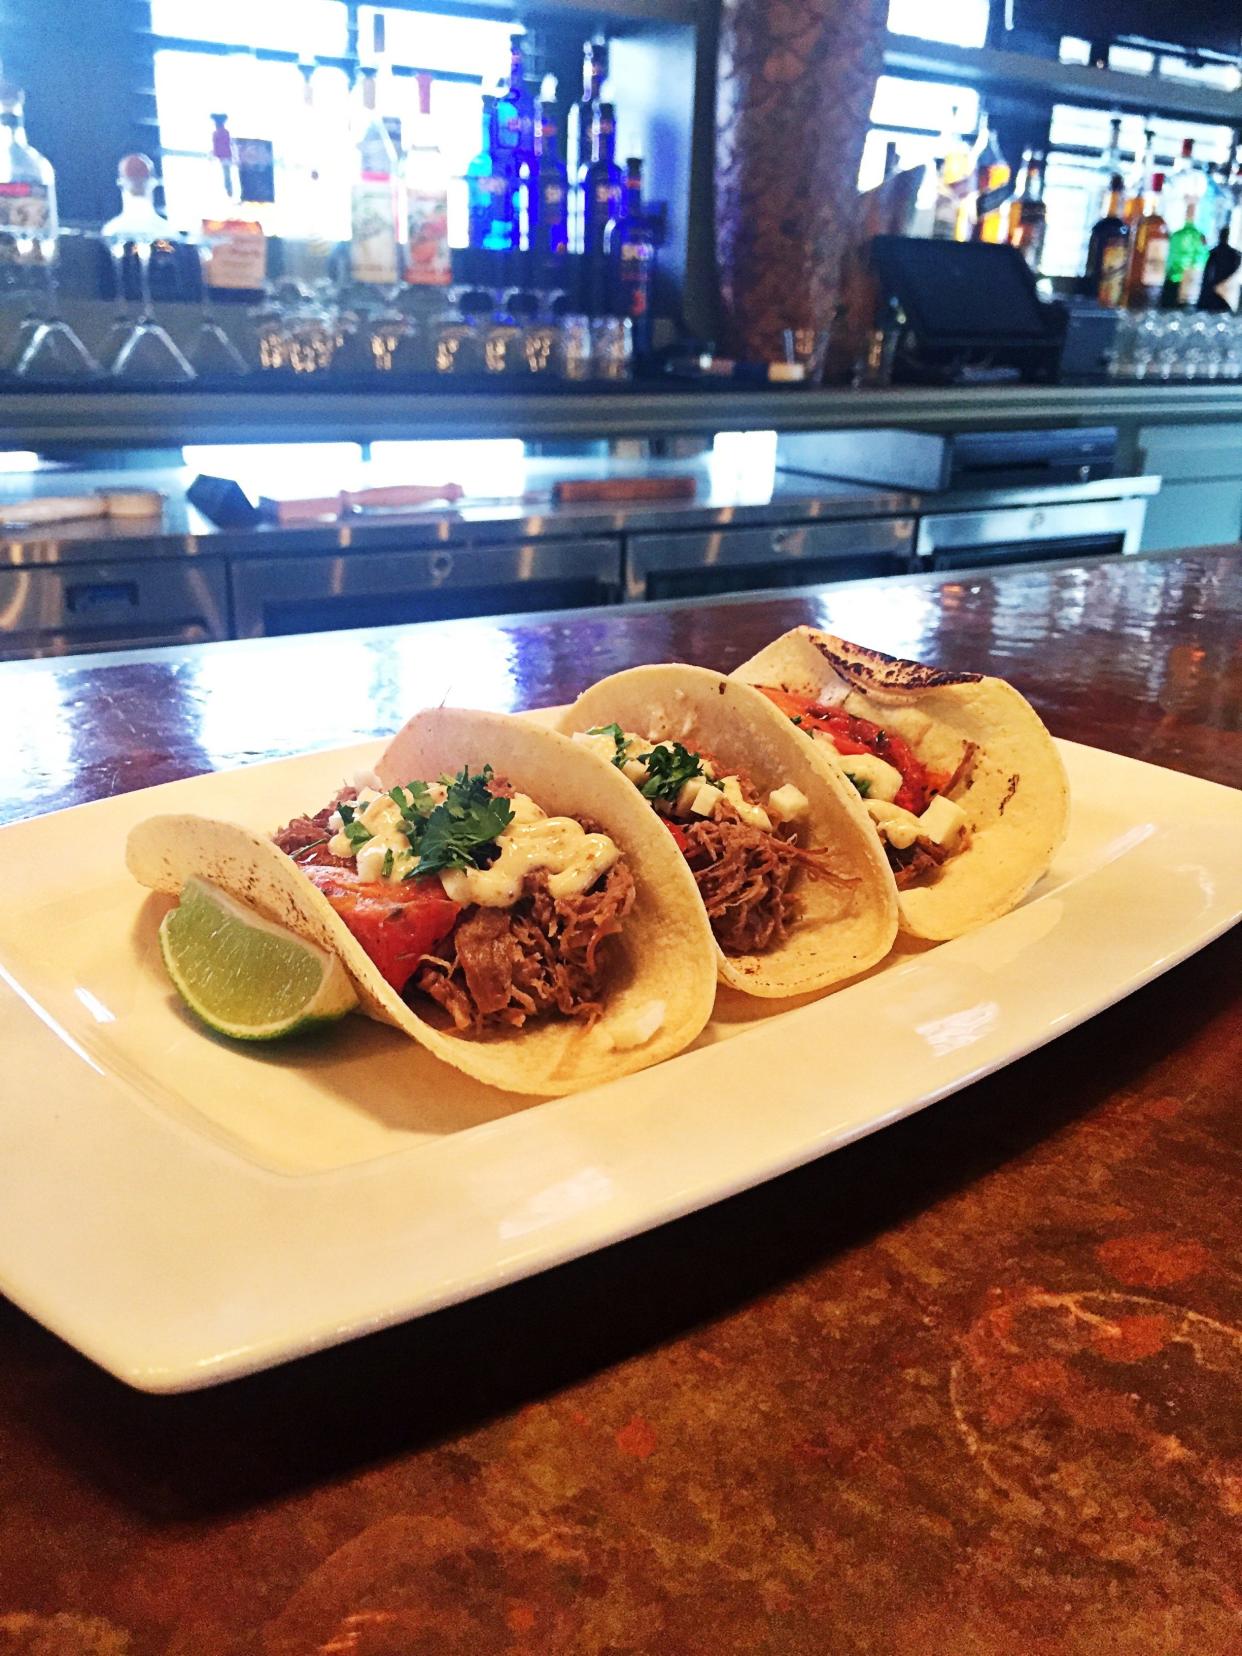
pixel 515 141
pixel 491 183
pixel 603 203
pixel 550 196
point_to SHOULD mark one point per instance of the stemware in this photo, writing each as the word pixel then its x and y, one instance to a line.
pixel 148 351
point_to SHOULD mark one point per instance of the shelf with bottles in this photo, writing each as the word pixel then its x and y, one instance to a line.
pixel 1048 78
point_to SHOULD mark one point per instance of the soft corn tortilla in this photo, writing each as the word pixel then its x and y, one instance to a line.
pixel 663 959
pixel 844 927
pixel 1016 797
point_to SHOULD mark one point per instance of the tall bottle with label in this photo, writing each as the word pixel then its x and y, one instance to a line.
pixel 490 187
pixel 603 202
pixel 1188 254
pixel 1108 251
pixel 550 241
pixel 377 210
pixel 1149 252
pixel 428 262
pixel 515 137
pixel 583 114
pixel 233 238
pixel 631 255
pixel 1028 223
pixel 994 182
pixel 29 224
pixel 954 183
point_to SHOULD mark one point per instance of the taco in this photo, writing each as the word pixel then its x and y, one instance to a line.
pixel 789 871
pixel 492 892
pixel 957 772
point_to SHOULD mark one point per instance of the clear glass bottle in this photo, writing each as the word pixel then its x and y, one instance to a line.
pixel 29 223
pixel 377 215
pixel 427 259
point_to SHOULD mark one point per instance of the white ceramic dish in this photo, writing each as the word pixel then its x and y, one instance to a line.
pixel 184 1212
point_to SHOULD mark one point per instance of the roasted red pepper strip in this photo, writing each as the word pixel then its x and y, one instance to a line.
pixel 850 734
pixel 683 844
pixel 397 922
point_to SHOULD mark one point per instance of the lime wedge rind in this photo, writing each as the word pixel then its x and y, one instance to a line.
pixel 243 975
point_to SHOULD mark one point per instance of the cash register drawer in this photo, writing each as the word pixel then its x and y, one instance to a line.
pixel 112 606
pixel 378 589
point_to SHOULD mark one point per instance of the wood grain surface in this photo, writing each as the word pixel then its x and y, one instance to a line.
pixel 970 1387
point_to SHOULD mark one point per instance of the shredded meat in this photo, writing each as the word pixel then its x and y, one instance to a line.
pixel 745 878
pixel 305 838
pixel 915 865
pixel 503 966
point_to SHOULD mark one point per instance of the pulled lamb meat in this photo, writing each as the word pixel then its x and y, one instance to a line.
pixel 915 865
pixel 745 877
pixel 543 955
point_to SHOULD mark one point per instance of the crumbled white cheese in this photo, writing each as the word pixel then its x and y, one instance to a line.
pixel 943 823
pixel 705 798
pixel 788 804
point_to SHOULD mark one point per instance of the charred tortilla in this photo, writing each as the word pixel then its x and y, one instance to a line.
pixel 983 744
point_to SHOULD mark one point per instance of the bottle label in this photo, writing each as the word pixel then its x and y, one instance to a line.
pixel 1155 262
pixel 428 262
pixel 24 206
pixel 1191 286
pixel 373 241
pixel 238 254
pixel 1113 261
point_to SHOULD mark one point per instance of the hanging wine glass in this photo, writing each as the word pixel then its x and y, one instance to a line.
pixel 213 354
pixel 145 350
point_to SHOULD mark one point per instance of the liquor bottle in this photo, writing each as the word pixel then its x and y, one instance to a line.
pixel 490 190
pixel 1139 181
pixel 1028 222
pixel 631 252
pixel 427 259
pixel 603 200
pixel 994 188
pixel 1188 252
pixel 386 101
pixel 1108 252
pixel 515 108
pixel 1149 252
pixel 954 180
pixel 377 208
pixel 1219 291
pixel 29 224
pixel 235 268
pixel 550 234
pixel 582 117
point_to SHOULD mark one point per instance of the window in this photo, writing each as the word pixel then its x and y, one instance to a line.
pixel 912 115
pixel 281 71
pixel 953 22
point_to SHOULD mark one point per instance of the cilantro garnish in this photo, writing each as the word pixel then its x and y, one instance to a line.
pixel 388 862
pixel 618 739
pixel 463 830
pixel 669 767
pixel 862 783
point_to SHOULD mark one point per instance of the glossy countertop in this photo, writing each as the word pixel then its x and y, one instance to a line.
pixel 863 1410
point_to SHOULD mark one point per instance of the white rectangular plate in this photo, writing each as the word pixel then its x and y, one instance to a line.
pixel 184 1211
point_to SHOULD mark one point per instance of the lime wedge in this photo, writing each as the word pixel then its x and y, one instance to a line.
pixel 245 976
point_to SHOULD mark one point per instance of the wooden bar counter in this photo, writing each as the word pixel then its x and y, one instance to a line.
pixel 863 1410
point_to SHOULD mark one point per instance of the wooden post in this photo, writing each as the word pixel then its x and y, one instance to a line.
pixel 794 88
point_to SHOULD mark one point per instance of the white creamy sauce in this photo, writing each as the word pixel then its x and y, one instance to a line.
pixel 559 846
